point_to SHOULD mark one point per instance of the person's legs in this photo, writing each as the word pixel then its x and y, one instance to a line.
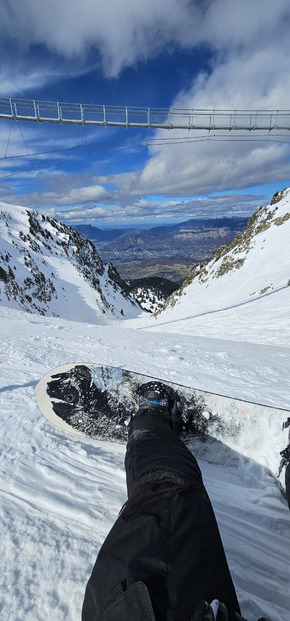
pixel 166 535
pixel 196 567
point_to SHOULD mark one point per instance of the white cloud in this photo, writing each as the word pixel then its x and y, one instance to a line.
pixel 123 32
pixel 249 68
pixel 243 80
pixel 76 196
pixel 148 211
pixel 251 73
pixel 14 80
pixel 204 167
pixel 244 23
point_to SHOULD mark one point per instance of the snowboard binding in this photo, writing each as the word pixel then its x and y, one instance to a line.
pixel 156 397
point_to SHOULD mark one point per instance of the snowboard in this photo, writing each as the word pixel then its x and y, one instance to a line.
pixel 99 401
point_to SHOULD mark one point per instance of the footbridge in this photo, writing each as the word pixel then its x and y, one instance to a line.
pixel 155 118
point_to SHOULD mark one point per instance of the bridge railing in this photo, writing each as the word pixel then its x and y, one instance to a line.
pixel 125 116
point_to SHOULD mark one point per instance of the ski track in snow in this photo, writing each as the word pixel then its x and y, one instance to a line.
pixel 60 494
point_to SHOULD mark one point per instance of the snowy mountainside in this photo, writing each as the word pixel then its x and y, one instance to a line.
pixel 248 277
pixel 48 268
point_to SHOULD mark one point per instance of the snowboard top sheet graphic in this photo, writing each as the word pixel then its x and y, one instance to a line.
pixel 99 401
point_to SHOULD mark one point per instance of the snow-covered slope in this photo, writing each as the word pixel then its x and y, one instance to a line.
pixel 248 279
pixel 48 268
pixel 60 494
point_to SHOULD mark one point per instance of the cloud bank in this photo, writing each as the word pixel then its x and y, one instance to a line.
pixel 247 46
pixel 128 31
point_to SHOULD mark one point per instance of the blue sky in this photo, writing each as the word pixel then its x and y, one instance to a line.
pixel 175 53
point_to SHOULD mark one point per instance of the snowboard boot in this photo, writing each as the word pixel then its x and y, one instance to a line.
pixel 157 398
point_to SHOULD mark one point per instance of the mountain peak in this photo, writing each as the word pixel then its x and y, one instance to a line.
pixel 47 267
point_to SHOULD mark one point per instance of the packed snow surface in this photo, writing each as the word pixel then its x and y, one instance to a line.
pixel 60 494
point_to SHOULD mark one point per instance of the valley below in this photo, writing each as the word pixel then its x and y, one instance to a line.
pixel 174 269
pixel 163 251
pixel 156 262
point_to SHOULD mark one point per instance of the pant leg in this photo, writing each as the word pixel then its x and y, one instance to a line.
pixel 166 535
pixel 196 563
pixel 153 447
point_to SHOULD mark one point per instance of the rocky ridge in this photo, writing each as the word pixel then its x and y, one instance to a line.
pixel 229 258
pixel 47 267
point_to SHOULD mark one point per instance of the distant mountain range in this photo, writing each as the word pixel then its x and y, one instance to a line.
pixel 186 239
pixel 163 251
pixel 99 236
pixel 194 239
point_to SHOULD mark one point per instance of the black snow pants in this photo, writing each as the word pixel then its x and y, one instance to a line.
pixel 164 553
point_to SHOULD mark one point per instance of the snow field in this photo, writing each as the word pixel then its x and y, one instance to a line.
pixel 60 494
